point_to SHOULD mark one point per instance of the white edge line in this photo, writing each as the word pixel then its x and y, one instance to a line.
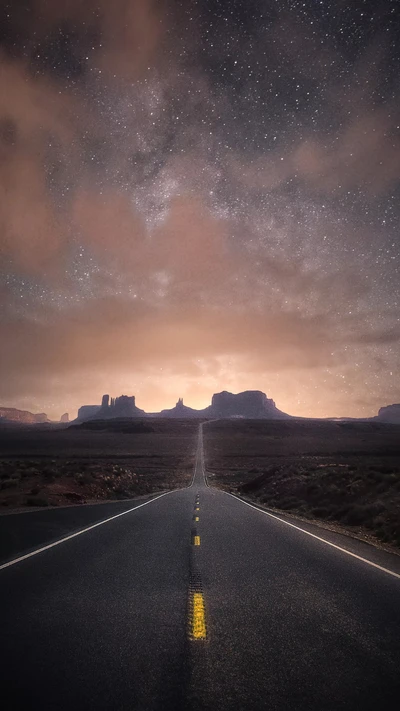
pixel 333 545
pixel 79 533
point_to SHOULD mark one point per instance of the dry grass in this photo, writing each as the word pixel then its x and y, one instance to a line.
pixel 339 472
pixel 113 460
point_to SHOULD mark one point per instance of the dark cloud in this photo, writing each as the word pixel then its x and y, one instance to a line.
pixel 383 337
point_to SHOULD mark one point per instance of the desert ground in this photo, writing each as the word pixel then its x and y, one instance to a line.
pixel 109 460
pixel 342 474
pixel 345 474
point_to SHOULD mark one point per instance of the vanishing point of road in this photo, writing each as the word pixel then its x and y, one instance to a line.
pixel 193 600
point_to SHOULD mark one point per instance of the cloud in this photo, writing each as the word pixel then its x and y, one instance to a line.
pixel 114 344
pixel 164 210
pixel 119 38
pixel 116 333
pixel 379 336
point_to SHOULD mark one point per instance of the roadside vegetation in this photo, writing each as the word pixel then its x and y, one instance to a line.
pixel 92 463
pixel 338 473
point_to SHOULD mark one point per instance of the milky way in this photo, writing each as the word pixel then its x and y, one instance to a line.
pixel 198 196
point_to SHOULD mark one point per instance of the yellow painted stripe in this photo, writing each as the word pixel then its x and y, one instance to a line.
pixel 197 508
pixel 198 621
pixel 196 540
pixel 196 518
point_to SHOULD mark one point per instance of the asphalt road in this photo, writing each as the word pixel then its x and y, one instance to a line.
pixel 21 534
pixel 115 618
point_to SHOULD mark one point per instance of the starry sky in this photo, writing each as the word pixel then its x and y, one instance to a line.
pixel 198 196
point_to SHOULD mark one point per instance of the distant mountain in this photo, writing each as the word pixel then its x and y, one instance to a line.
pixel 11 414
pixel 87 412
pixel 390 413
pixel 122 406
pixel 250 404
pixel 110 408
pixel 181 411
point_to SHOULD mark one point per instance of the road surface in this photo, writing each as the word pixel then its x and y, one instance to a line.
pixel 195 600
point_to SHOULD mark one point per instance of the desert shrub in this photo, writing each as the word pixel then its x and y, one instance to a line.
pixel 84 479
pixel 379 521
pixel 342 512
pixel 383 469
pixel 269 500
pixel 8 484
pixel 376 474
pixel 321 511
pixel 376 508
pixel 122 493
pixel 29 471
pixel 391 479
pixel 383 535
pixel 333 491
pixel 355 486
pixel 303 510
pixel 73 496
pixel 48 475
pixel 288 502
pixel 36 501
pixel 357 515
pixel 312 487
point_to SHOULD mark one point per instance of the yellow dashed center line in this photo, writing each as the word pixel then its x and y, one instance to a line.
pixel 198 621
pixel 197 628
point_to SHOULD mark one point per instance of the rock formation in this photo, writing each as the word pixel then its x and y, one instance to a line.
pixel 64 417
pixel 251 404
pixel 390 413
pixel 123 406
pixel 86 412
pixel 11 414
pixel 180 410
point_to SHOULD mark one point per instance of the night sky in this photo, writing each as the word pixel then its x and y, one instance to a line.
pixel 198 196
